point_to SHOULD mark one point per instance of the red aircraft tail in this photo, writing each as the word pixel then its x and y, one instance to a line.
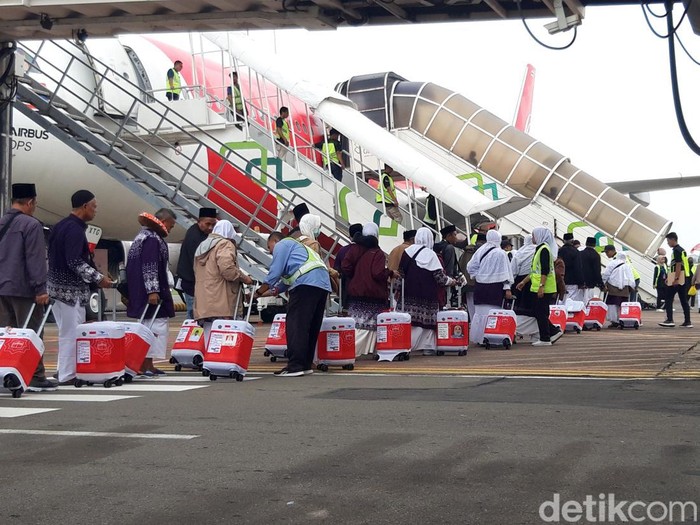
pixel 523 113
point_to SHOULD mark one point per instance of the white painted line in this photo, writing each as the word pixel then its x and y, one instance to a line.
pixel 70 433
pixel 99 398
pixel 19 412
pixel 145 387
pixel 179 379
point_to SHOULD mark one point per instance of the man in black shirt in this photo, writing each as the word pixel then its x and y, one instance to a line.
pixel 185 264
pixel 573 278
pixel 590 264
pixel 678 283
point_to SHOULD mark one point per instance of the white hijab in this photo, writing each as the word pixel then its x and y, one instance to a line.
pixel 490 264
pixel 310 225
pixel 370 230
pixel 618 272
pixel 541 235
pixel 225 229
pixel 522 259
pixel 427 258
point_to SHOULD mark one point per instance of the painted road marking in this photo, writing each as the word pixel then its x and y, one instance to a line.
pixel 148 387
pixel 87 398
pixel 19 412
pixel 69 433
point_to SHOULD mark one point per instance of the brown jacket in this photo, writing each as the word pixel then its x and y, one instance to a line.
pixel 217 277
pixel 395 256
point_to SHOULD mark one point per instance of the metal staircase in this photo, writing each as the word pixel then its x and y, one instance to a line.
pixel 142 161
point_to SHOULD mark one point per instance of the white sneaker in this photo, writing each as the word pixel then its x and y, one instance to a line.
pixel 542 343
pixel 553 339
pixel 308 372
pixel 660 310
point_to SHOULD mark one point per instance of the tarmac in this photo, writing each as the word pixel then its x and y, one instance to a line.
pixel 483 439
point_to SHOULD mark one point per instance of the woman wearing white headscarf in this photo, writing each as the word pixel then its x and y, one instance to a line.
pixel 217 275
pixel 542 284
pixel 423 277
pixel 490 268
pixel 310 228
pixel 368 288
pixel 619 283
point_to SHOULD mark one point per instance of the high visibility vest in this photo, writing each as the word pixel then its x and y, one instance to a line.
pixel 635 273
pixel 383 195
pixel 313 262
pixel 660 275
pixel 285 129
pixel 329 151
pixel 550 284
pixel 176 82
pixel 686 264
pixel 237 99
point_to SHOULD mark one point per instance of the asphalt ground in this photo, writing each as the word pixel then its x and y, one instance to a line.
pixel 347 448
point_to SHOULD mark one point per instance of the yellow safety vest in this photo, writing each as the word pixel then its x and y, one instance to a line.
pixel 383 195
pixel 285 129
pixel 313 262
pixel 328 150
pixel 176 82
pixel 237 99
pixel 550 284
pixel 635 273
pixel 686 264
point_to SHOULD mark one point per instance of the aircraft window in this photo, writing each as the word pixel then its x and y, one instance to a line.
pixel 305 128
pixel 445 128
pixel 297 127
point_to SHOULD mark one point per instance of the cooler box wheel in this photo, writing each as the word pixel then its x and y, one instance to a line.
pixel 212 377
pixel 239 377
pixel 172 361
pixel 273 359
pixel 205 373
pixel 440 352
pixel 323 368
pixel 128 378
pixel 349 367
pixel 17 393
pixel 266 353
pixel 406 356
pixel 178 368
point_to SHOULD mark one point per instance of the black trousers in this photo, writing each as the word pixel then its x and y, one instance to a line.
pixel 307 305
pixel 661 292
pixel 14 312
pixel 682 292
pixel 540 308
pixel 172 96
pixel 337 171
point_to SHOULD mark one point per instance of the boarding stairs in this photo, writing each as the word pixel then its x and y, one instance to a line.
pixel 148 167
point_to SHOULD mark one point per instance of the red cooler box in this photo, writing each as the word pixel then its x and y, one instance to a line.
pixel 558 315
pixel 393 336
pixel 336 343
pixel 575 316
pixel 630 315
pixel 452 332
pixel 500 328
pixel 596 313
pixel 20 351
pixel 228 350
pixel 138 340
pixel 189 347
pixel 276 343
pixel 99 354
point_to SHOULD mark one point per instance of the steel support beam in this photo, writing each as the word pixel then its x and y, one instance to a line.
pixel 6 104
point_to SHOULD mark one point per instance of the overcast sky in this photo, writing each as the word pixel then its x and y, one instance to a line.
pixel 606 102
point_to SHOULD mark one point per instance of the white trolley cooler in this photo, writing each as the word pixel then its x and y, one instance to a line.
pixel 596 313
pixel 229 347
pixel 336 343
pixel 630 315
pixel 394 332
pixel 189 347
pixel 99 353
pixel 575 315
pixel 20 352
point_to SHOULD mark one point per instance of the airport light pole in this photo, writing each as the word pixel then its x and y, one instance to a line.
pixel 7 51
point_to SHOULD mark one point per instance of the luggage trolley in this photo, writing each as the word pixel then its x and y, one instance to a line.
pixel 20 352
pixel 394 331
pixel 453 330
pixel 189 347
pixel 336 342
pixel 276 343
pixel 630 315
pixel 138 339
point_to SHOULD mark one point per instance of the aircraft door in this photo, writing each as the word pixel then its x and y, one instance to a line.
pixel 117 91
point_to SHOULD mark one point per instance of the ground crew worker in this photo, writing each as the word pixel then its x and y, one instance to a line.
pixel 387 194
pixel 23 277
pixel 678 283
pixel 298 269
pixel 235 99
pixel 282 132
pixel 332 150
pixel 173 82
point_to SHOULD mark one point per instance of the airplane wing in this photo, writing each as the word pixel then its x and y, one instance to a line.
pixel 666 183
